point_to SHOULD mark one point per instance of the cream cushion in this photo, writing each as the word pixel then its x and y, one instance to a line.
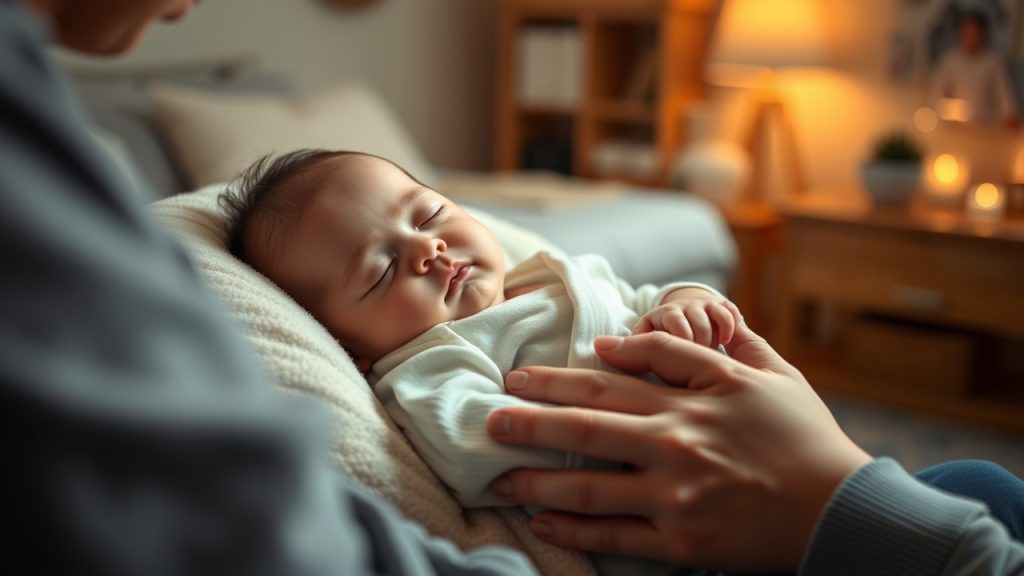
pixel 306 359
pixel 215 135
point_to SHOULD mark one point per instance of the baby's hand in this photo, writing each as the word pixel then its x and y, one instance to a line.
pixel 703 319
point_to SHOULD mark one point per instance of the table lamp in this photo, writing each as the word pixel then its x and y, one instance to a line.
pixel 754 39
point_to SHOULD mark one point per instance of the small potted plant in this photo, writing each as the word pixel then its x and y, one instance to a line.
pixel 894 172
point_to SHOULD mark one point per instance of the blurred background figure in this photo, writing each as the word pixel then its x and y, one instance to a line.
pixel 973 73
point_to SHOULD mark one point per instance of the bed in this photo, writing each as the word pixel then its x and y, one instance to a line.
pixel 193 127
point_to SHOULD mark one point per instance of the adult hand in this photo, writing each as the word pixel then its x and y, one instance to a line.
pixel 730 467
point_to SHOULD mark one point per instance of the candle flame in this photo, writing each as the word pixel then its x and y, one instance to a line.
pixel 986 195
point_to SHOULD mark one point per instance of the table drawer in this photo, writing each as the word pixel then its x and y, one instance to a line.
pixel 973 281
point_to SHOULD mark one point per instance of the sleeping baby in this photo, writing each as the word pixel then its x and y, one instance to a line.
pixel 416 291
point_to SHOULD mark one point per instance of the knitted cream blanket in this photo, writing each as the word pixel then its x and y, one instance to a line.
pixel 307 360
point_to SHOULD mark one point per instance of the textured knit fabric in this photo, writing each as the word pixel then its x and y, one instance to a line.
pixel 442 385
pixel 882 521
pixel 140 435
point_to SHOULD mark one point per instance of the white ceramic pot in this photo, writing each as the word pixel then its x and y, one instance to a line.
pixel 710 166
pixel 891 183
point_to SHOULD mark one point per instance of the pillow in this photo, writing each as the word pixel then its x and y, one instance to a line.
pixel 116 103
pixel 216 135
pixel 306 359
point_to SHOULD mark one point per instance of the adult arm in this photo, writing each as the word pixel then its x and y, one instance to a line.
pixel 734 470
pixel 140 435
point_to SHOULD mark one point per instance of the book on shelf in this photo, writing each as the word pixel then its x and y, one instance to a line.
pixel 550 66
pixel 625 159
pixel 643 77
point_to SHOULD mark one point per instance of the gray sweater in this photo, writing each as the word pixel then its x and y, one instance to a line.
pixel 881 521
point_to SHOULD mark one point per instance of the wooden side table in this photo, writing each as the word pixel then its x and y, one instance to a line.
pixel 758 232
pixel 916 307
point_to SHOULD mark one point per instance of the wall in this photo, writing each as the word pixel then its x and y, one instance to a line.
pixel 432 60
pixel 839 111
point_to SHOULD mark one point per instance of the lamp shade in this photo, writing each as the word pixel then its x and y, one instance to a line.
pixel 770 33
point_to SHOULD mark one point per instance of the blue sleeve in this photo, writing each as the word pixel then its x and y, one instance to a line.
pixel 140 435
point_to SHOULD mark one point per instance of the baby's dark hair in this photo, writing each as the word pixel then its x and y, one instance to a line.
pixel 261 191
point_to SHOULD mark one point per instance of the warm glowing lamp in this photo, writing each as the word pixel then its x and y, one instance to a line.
pixel 754 38
pixel 946 178
pixel 986 201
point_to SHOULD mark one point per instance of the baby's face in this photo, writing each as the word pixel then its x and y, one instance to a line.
pixel 379 258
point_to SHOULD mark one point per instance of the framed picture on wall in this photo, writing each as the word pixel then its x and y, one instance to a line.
pixel 925 30
pixel 968 50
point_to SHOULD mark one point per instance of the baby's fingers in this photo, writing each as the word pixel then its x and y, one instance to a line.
pixel 724 320
pixel 643 326
pixel 675 322
pixel 703 331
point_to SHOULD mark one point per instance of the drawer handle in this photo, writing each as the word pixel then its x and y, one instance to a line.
pixel 921 298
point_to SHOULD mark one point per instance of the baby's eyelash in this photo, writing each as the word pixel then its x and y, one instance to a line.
pixel 432 216
pixel 382 276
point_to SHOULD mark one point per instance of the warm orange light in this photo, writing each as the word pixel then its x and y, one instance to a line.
pixel 955 109
pixel 986 195
pixel 946 178
pixel 926 120
pixel 770 33
pixel 947 169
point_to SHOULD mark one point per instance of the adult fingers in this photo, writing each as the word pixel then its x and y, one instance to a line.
pixel 594 433
pixel 674 360
pixel 626 536
pixel 583 388
pixel 734 310
pixel 752 350
pixel 592 492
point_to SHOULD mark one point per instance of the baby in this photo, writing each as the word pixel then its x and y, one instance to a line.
pixel 416 290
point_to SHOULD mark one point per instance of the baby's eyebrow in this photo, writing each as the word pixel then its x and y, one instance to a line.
pixel 408 198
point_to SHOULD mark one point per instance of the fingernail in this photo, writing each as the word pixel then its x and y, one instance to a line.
pixel 515 381
pixel 499 425
pixel 502 487
pixel 607 343
pixel 542 529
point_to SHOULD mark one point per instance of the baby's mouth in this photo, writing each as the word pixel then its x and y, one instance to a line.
pixel 459 274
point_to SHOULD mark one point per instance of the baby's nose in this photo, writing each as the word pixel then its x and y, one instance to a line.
pixel 427 251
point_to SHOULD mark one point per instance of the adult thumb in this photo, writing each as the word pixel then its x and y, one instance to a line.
pixel 751 349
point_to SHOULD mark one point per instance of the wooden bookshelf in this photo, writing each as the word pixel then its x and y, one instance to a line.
pixel 642 67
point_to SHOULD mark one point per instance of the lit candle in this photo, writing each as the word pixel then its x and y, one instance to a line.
pixel 946 178
pixel 987 201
